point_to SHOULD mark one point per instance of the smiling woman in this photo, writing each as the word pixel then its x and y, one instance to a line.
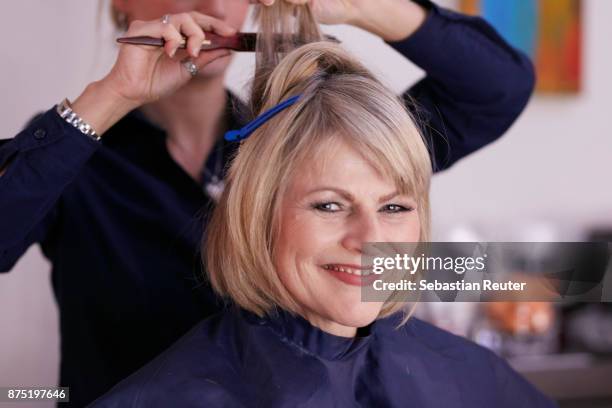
pixel 344 166
pixel 333 161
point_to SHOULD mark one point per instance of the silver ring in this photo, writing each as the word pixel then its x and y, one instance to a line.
pixel 165 19
pixel 191 67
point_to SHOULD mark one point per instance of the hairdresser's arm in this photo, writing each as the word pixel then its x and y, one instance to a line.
pixel 476 85
pixel 39 163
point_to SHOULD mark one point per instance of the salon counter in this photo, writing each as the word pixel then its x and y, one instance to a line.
pixel 574 379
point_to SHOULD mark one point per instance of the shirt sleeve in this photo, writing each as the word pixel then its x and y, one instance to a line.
pixel 40 162
pixel 476 84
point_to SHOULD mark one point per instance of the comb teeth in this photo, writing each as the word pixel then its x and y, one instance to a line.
pixel 248 41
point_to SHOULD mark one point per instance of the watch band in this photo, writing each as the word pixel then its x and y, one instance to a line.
pixel 64 109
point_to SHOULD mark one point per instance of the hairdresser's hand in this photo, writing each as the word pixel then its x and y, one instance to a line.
pixel 392 20
pixel 143 74
pixel 334 11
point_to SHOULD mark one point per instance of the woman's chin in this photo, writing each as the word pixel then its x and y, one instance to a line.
pixel 359 315
pixel 215 68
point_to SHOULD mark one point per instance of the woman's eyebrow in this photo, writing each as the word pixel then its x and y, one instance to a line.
pixel 388 196
pixel 350 196
pixel 336 190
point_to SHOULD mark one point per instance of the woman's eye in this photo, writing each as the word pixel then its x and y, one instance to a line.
pixel 396 208
pixel 327 207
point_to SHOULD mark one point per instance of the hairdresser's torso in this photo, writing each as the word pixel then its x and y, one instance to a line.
pixel 135 284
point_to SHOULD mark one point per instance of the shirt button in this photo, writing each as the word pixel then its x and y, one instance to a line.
pixel 40 134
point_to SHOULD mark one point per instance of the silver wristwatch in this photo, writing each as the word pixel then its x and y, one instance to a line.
pixel 64 109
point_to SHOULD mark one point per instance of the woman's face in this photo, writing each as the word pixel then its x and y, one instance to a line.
pixel 233 12
pixel 335 204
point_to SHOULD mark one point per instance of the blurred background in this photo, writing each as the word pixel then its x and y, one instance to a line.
pixel 545 180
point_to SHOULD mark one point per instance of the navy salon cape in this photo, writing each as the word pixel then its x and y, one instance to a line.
pixel 121 221
pixel 236 359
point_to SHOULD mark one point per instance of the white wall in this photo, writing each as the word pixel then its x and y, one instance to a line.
pixel 552 168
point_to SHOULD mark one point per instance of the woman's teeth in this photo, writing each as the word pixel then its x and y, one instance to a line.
pixel 351 271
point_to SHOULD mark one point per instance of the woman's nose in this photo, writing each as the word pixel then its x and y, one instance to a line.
pixel 360 229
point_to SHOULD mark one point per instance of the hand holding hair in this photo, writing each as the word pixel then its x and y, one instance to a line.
pixel 392 20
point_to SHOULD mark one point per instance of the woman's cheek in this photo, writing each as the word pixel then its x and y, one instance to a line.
pixel 407 229
pixel 325 226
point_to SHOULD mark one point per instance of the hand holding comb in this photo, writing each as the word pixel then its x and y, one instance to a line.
pixel 241 42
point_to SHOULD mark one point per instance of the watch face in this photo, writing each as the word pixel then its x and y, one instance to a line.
pixel 64 110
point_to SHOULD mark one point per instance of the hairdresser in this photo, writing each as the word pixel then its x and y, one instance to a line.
pixel 117 201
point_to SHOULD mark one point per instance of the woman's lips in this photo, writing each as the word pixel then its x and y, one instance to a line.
pixel 351 274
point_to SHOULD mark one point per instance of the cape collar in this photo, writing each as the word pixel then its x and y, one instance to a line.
pixel 297 331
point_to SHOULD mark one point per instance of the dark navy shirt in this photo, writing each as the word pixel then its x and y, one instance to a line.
pixel 236 359
pixel 121 221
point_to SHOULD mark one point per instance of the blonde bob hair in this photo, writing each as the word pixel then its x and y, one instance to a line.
pixel 340 98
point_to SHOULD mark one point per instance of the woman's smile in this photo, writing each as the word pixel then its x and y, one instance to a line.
pixel 351 274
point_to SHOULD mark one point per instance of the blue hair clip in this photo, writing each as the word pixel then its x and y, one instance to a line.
pixel 241 134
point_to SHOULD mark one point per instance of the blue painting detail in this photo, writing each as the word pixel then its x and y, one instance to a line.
pixel 516 21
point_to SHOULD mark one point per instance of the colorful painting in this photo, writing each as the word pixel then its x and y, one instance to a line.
pixel 549 31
